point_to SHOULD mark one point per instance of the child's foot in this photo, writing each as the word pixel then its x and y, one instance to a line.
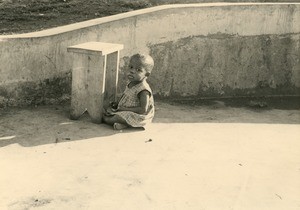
pixel 119 126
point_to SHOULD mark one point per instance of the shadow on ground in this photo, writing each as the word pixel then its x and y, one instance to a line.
pixel 47 125
pixel 51 124
pixel 284 110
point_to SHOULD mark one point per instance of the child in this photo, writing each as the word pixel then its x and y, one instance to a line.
pixel 136 106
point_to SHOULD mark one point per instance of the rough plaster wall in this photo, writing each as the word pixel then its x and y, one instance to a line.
pixel 38 70
pixel 222 65
pixel 41 79
pixel 199 50
pixel 222 51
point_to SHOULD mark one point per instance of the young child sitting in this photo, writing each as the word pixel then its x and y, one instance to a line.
pixel 136 106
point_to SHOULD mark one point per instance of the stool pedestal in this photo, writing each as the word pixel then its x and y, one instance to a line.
pixel 94 78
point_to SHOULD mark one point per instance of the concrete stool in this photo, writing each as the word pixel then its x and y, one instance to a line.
pixel 94 78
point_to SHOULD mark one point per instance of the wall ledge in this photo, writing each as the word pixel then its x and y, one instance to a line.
pixel 97 21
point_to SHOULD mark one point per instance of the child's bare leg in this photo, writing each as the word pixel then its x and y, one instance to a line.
pixel 110 120
pixel 116 121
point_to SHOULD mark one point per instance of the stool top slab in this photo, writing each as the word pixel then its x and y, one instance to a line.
pixel 99 48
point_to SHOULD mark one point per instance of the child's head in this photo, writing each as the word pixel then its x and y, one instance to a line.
pixel 140 67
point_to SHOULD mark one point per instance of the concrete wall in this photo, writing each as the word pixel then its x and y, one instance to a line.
pixel 222 49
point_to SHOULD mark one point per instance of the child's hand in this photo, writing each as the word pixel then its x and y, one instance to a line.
pixel 111 110
pixel 114 105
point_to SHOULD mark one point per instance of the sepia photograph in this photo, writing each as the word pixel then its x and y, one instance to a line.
pixel 150 104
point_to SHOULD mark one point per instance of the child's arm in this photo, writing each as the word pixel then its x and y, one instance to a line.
pixel 144 97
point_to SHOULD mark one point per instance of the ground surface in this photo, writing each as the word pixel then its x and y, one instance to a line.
pixel 199 155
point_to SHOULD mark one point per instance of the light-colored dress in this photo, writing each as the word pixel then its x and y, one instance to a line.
pixel 130 98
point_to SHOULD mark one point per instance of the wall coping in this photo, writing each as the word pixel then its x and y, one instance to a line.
pixel 97 21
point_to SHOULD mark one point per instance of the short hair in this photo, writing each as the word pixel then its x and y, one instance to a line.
pixel 146 61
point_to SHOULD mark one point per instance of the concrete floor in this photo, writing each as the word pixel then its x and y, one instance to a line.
pixel 192 157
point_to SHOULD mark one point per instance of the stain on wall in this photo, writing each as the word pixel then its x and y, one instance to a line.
pixel 224 65
pixel 49 91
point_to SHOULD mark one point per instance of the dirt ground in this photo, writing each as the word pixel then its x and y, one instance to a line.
pixel 50 124
pixel 212 154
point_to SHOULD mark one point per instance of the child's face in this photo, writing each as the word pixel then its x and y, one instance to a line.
pixel 136 71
